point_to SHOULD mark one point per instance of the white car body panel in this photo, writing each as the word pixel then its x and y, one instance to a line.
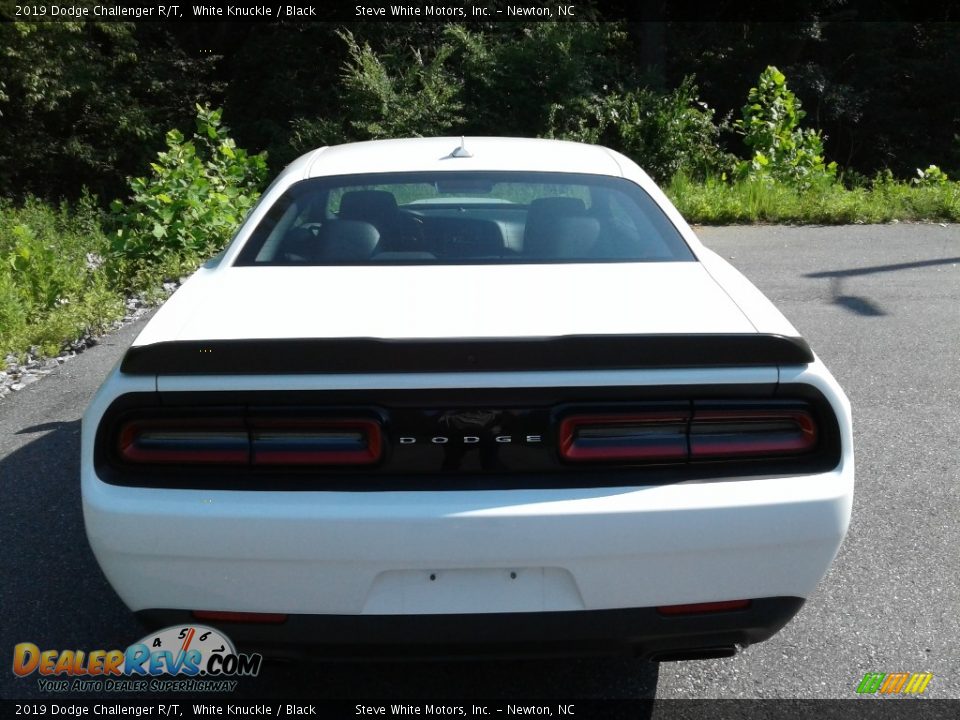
pixel 762 313
pixel 267 551
pixel 383 156
pixel 470 301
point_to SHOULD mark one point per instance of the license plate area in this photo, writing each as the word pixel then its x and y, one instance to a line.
pixel 472 590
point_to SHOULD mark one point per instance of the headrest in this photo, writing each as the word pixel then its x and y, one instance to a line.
pixel 556 206
pixel 363 204
pixel 299 245
pixel 559 227
pixel 562 236
pixel 347 240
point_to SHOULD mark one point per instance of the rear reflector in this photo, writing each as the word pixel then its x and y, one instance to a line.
pixel 259 441
pixel 678 435
pixel 699 608
pixel 240 617
pixel 656 435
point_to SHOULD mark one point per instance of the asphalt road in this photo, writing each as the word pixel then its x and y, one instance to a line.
pixel 880 305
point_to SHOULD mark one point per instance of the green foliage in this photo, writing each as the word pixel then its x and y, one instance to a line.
pixel 718 202
pixel 62 275
pixel 89 103
pixel 514 75
pixel 500 79
pixel 52 285
pixel 197 194
pixel 663 133
pixel 932 176
pixel 86 103
pixel 411 94
pixel 417 96
pixel 782 151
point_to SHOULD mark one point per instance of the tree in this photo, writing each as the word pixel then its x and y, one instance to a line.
pixel 782 150
pixel 86 103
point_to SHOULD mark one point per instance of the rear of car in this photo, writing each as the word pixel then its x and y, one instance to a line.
pixel 485 397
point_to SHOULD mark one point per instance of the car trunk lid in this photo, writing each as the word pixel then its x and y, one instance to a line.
pixel 468 301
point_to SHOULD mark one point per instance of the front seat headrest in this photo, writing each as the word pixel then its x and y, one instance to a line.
pixel 367 205
pixel 347 240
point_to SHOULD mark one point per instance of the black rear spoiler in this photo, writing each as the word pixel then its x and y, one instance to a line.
pixel 373 355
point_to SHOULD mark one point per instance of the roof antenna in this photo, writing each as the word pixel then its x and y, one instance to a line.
pixel 461 152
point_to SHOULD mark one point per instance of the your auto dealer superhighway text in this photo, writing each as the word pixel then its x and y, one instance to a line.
pixel 163 709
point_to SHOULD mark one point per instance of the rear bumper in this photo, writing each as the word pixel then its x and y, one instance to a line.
pixel 636 631
pixel 461 553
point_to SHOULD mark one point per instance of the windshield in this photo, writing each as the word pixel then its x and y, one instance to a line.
pixel 463 218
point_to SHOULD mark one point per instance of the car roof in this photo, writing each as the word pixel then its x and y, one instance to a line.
pixel 483 153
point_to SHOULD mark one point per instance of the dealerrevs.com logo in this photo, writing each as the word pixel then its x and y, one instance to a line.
pixel 192 658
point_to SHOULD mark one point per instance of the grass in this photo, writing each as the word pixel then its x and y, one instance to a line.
pixel 53 284
pixel 716 202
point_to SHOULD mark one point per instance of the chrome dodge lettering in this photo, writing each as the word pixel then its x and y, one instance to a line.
pixel 470 439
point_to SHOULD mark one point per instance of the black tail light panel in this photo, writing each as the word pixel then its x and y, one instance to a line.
pixel 697 431
pixel 464 439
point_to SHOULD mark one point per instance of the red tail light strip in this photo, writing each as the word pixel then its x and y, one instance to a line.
pixel 700 608
pixel 261 441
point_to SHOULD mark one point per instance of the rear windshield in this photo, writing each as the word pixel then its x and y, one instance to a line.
pixel 463 218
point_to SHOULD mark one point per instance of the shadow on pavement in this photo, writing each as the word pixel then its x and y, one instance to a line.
pixel 853 272
pixel 860 305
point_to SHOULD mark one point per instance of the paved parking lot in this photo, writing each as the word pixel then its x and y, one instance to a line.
pixel 880 305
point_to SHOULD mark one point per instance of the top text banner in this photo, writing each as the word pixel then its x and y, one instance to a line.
pixel 342 11
pixel 466 11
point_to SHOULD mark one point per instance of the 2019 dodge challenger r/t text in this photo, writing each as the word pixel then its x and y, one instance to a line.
pixel 481 395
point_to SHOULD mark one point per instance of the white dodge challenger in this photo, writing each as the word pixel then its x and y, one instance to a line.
pixel 468 396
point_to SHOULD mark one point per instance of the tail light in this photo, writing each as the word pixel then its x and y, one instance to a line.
pixel 643 436
pixel 751 433
pixel 739 432
pixel 187 441
pixel 255 441
pixel 315 442
pixel 465 439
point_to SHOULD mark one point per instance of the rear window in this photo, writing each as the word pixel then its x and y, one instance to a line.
pixel 463 218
